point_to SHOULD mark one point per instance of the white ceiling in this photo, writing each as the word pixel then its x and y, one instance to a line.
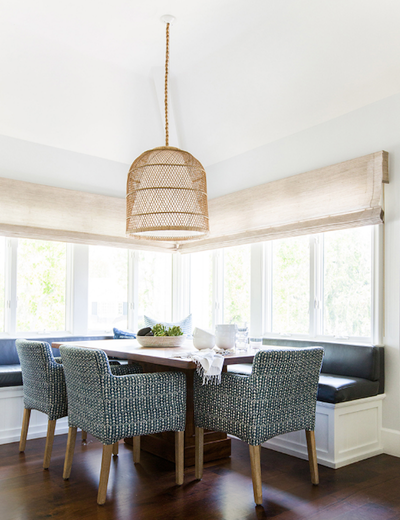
pixel 87 76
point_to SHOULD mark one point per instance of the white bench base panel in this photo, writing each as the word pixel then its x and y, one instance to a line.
pixel 11 412
pixel 344 433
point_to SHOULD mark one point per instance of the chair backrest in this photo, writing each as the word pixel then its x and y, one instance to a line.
pixel 286 382
pixel 43 378
pixel 87 374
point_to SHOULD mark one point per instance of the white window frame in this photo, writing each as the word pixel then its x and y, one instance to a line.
pixel 11 300
pixel 317 296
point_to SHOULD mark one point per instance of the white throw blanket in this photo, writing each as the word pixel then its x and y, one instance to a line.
pixel 209 366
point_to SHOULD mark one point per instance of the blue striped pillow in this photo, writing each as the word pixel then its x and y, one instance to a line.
pixel 123 334
pixel 185 325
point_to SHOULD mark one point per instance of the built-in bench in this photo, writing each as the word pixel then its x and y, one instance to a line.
pixel 10 369
pixel 349 406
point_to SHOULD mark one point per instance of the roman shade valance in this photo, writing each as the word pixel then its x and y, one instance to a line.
pixel 48 213
pixel 344 195
pixel 340 196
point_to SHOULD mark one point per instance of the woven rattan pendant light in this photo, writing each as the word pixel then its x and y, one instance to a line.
pixel 166 195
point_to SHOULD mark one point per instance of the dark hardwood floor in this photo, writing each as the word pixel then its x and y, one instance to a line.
pixel 368 490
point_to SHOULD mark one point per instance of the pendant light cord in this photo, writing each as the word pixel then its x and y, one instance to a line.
pixel 166 87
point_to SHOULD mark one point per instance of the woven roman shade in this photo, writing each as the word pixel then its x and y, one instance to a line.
pixel 29 210
pixel 335 197
pixel 344 195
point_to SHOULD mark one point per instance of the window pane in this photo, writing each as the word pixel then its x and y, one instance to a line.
pixel 41 278
pixel 201 289
pixel 108 288
pixel 2 280
pixel 347 282
pixel 155 286
pixel 291 285
pixel 237 285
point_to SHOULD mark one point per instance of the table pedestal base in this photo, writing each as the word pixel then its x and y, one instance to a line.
pixel 163 446
pixel 217 445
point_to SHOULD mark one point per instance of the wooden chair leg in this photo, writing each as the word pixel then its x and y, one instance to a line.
pixel 255 462
pixel 104 473
pixel 199 452
pixel 24 429
pixel 179 457
pixel 136 449
pixel 69 454
pixel 51 426
pixel 84 436
pixel 312 457
pixel 115 448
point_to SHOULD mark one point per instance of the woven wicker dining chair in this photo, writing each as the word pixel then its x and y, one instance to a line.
pixel 114 407
pixel 44 388
pixel 278 397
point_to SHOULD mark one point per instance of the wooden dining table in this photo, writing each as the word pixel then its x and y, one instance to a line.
pixel 159 359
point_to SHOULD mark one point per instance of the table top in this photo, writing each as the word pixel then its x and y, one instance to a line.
pixel 131 350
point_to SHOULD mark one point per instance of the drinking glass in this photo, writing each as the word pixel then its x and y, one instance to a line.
pixel 242 336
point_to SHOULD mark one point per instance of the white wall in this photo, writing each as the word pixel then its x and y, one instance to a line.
pixel 364 131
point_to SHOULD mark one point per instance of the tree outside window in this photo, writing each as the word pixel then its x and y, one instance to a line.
pixel 108 288
pixel 291 285
pixel 2 281
pixel 41 285
pixel 237 285
pixel 347 282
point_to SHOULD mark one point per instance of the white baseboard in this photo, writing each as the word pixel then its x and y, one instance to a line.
pixel 11 412
pixel 391 442
pixel 344 433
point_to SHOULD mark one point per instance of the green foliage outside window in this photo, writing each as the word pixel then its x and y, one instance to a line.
pixel 2 282
pixel 41 279
pixel 155 286
pixel 347 282
pixel 291 285
pixel 108 288
pixel 237 285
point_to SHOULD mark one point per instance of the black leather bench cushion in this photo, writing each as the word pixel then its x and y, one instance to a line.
pixel 10 375
pixel 362 361
pixel 331 388
pixel 10 370
pixel 340 389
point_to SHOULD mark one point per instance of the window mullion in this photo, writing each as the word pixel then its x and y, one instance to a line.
pixel 377 284
pixel 133 290
pixel 80 289
pixel 268 287
pixel 10 314
pixel 316 284
pixel 69 289
pixel 218 288
pixel 257 293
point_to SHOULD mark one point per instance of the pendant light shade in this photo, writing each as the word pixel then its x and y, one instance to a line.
pixel 166 194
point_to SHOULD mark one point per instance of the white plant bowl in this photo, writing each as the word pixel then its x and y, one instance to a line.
pixel 161 341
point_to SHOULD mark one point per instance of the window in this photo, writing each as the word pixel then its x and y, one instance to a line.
pixel 2 281
pixel 237 285
pixel 108 288
pixel 347 282
pixel 320 285
pixel 291 285
pixel 324 286
pixel 155 286
pixel 201 289
pixel 41 286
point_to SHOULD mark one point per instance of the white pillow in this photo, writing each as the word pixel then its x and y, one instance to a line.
pixel 185 324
